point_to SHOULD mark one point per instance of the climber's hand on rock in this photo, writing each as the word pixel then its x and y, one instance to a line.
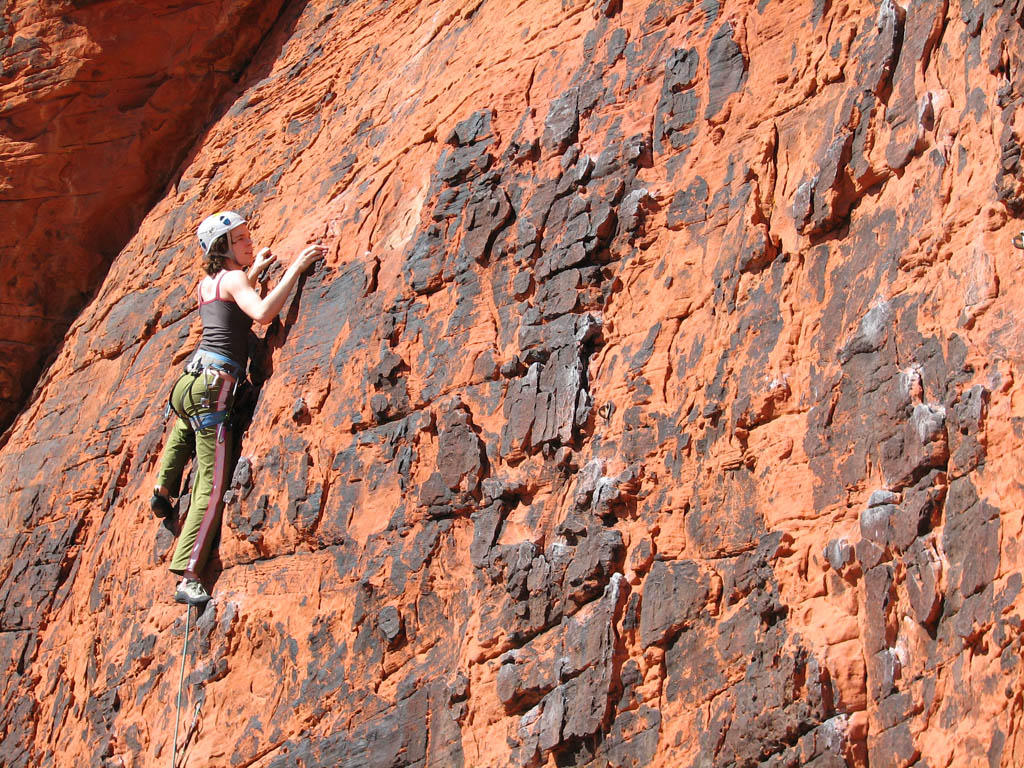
pixel 264 258
pixel 308 256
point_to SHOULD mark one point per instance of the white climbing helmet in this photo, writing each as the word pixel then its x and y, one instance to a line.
pixel 216 225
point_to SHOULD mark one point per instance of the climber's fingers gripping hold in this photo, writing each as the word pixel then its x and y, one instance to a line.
pixel 309 255
pixel 264 258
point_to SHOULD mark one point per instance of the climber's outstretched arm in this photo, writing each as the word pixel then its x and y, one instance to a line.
pixel 236 286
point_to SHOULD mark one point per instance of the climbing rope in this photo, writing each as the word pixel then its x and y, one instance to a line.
pixel 181 680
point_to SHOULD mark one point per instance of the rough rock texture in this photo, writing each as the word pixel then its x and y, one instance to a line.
pixel 99 104
pixel 657 405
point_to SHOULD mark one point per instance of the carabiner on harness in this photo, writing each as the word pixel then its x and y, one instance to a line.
pixel 196 419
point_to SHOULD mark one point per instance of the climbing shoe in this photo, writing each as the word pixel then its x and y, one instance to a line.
pixel 161 506
pixel 191 592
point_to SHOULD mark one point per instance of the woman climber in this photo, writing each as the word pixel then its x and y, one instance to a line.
pixel 203 395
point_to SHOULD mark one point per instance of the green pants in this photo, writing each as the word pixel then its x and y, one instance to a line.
pixel 195 397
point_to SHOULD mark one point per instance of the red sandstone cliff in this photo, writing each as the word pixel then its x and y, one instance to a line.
pixel 99 104
pixel 658 404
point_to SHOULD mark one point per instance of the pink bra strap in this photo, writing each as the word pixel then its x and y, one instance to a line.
pixel 216 297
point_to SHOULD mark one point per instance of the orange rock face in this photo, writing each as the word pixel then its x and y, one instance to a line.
pixel 657 405
pixel 99 104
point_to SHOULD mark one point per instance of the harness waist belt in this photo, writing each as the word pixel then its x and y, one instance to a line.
pixel 204 363
pixel 204 358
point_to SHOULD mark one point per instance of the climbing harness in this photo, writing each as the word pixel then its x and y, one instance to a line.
pixel 181 680
pixel 1018 240
pixel 206 364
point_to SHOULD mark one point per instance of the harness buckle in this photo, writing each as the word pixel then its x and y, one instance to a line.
pixel 194 367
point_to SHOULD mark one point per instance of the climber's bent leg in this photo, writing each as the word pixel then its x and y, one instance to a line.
pixel 213 454
pixel 180 444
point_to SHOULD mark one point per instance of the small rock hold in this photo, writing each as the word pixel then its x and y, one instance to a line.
pixel 242 478
pixel 868 553
pixel 876 523
pixel 391 625
pixel 521 284
pixel 871 334
pixel 711 410
pixel 582 170
pixel 573 526
pixel 459 689
pixel 379 406
pixel 512 368
pixel 452 404
pixel 641 557
pixel 923 580
pixel 586 483
pixel 633 209
pixel 881 497
pixel 838 553
pixel 563 457
pixel 570 156
pixel 562 123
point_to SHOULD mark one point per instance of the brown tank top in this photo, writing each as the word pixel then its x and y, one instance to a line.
pixel 225 327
